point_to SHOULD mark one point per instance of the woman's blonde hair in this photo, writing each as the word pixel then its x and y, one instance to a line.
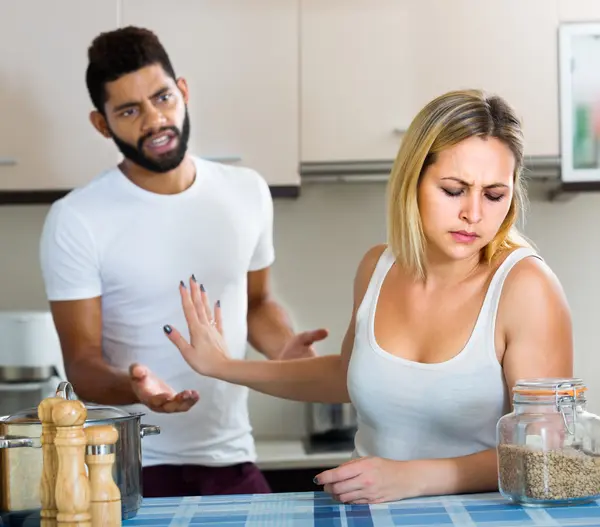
pixel 442 123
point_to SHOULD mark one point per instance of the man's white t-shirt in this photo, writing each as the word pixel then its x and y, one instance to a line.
pixel 132 247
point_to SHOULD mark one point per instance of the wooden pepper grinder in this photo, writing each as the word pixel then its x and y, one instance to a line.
pixel 49 463
pixel 105 501
pixel 72 485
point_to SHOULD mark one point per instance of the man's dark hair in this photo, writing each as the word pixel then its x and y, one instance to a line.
pixel 115 53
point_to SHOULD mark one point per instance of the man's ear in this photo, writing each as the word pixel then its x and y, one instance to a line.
pixel 183 88
pixel 99 122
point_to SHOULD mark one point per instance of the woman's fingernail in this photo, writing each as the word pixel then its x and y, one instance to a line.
pixel 182 284
pixel 316 480
pixel 167 329
pixel 194 278
pixel 218 303
pixel 202 288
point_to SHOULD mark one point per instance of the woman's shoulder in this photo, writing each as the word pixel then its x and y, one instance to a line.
pixel 528 270
pixel 370 259
pixel 531 288
pixel 366 268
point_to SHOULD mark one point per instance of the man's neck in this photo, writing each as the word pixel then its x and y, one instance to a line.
pixel 172 182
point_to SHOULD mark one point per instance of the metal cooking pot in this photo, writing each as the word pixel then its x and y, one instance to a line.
pixel 21 468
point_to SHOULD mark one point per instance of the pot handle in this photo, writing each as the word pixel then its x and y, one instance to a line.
pixel 65 390
pixel 15 442
pixel 149 430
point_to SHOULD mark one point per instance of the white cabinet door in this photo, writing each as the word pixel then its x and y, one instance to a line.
pixel 240 59
pixel 579 10
pixel 508 47
pixel 357 59
pixel 367 70
pixel 46 139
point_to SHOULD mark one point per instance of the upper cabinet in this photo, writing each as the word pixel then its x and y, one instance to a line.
pixel 46 139
pixel 579 10
pixel 367 71
pixel 507 47
pixel 240 60
pixel 357 89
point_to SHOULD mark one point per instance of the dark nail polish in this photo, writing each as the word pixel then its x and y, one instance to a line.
pixel 218 303
pixel 167 329
pixel 181 283
pixel 194 278
pixel 202 288
pixel 315 480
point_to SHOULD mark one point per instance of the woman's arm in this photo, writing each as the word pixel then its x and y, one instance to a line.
pixel 316 379
pixel 319 379
pixel 378 480
pixel 535 318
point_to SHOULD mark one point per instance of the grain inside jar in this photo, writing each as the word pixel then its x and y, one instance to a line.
pixel 563 474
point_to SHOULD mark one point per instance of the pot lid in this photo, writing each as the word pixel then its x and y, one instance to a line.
pixel 95 412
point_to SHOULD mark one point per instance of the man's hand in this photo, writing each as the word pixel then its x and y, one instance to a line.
pixel 156 394
pixel 300 347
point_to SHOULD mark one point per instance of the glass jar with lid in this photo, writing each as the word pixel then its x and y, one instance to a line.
pixel 549 445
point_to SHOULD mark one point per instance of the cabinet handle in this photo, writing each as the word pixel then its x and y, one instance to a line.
pixel 375 178
pixel 223 159
pixel 7 162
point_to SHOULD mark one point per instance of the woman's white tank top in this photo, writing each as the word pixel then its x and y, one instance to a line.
pixel 410 410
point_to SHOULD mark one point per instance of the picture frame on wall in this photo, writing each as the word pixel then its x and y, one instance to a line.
pixel 579 103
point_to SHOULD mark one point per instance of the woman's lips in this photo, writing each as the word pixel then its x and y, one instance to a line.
pixel 464 236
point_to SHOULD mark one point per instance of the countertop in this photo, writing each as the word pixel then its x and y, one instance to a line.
pixel 316 509
pixel 281 454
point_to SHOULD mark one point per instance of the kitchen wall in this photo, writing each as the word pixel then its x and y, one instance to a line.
pixel 319 240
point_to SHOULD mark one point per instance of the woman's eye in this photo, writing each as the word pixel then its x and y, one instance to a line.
pixel 494 197
pixel 452 192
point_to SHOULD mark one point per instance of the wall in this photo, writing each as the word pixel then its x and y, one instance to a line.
pixel 319 239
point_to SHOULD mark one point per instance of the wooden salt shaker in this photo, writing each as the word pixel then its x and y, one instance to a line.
pixel 49 463
pixel 105 501
pixel 72 485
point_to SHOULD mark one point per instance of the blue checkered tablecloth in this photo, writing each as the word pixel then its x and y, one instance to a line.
pixel 316 509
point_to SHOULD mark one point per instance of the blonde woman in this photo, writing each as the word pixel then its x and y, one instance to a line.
pixel 446 316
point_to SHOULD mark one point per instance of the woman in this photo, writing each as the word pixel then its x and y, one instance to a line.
pixel 446 317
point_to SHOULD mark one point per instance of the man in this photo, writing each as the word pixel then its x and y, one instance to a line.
pixel 113 252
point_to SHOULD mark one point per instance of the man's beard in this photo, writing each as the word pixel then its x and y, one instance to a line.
pixel 165 162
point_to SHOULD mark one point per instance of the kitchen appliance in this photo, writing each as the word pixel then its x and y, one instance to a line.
pixel 29 347
pixel 21 454
pixel 330 427
pixel 31 363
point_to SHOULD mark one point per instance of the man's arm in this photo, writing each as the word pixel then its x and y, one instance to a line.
pixel 269 327
pixel 79 327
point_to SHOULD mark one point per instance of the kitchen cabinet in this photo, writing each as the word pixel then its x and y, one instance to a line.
pixel 579 10
pixel 357 91
pixel 46 139
pixel 240 60
pixel 366 72
pixel 507 47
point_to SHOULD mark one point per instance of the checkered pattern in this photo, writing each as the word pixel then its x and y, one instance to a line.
pixel 310 509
